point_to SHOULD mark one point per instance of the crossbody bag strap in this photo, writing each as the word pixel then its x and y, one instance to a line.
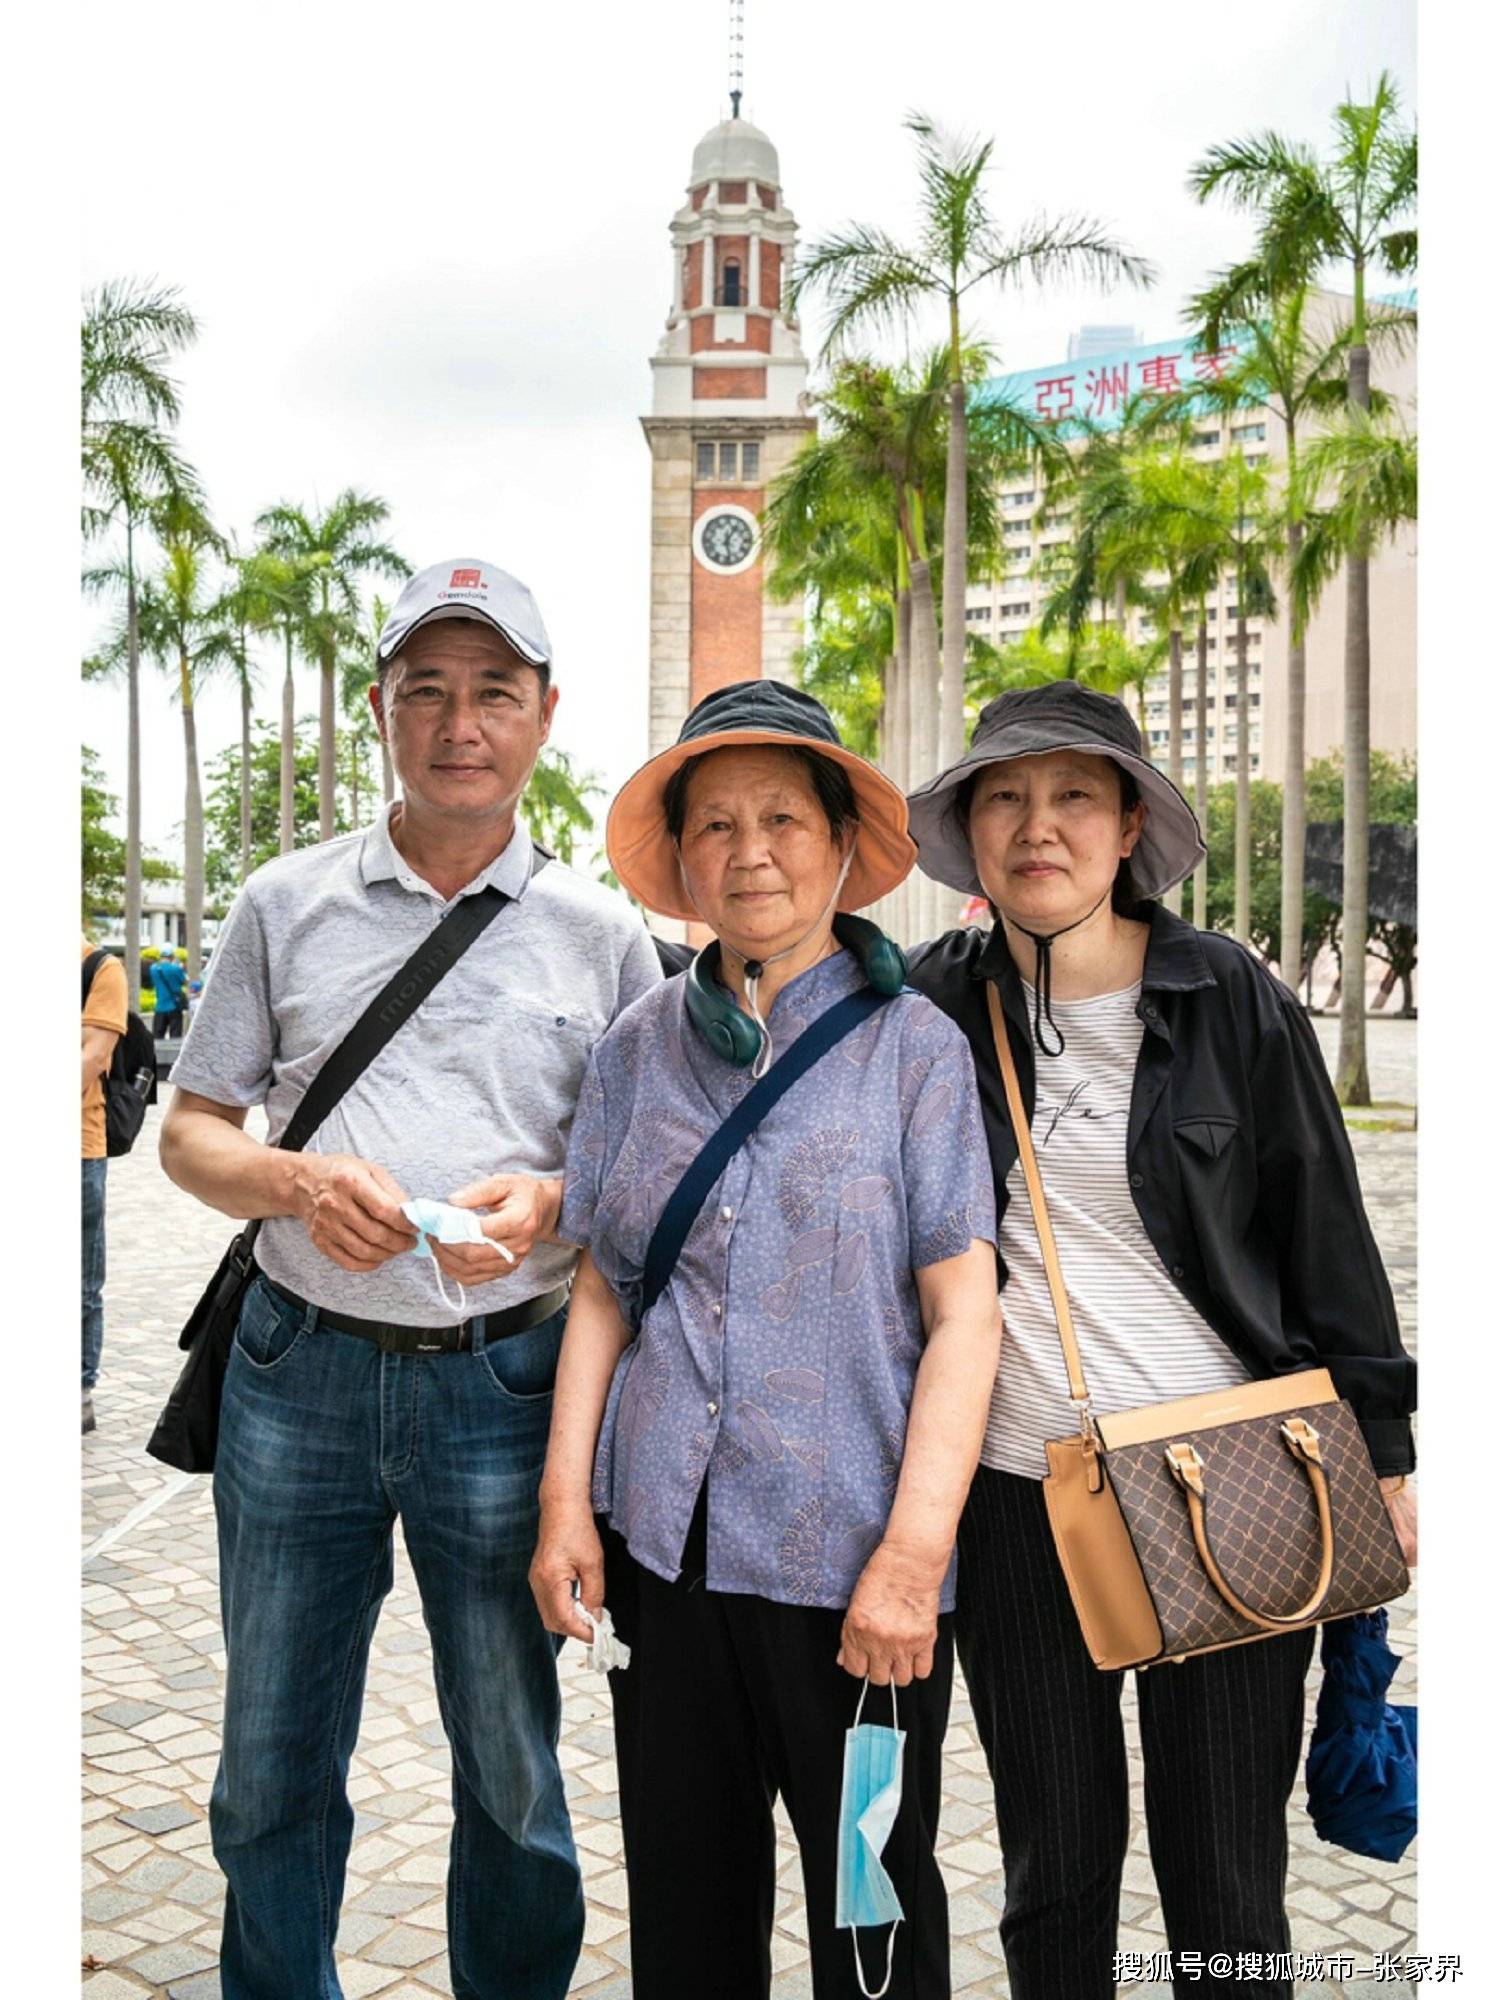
pixel 395 1003
pixel 690 1193
pixel 1021 1124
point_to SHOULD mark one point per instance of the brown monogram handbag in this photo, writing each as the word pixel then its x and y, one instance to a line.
pixel 1187 1526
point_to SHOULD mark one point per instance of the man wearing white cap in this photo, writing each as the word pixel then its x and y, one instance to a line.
pixel 361 1386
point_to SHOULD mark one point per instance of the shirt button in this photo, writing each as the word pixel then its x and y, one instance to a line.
pixel 716 1310
pixel 1178 1272
pixel 727 1213
pixel 1137 1180
pixel 713 1409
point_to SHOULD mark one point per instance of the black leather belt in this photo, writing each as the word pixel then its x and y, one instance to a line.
pixel 460 1339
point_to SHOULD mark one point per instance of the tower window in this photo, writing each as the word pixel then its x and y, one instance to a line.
pixel 730 293
pixel 726 461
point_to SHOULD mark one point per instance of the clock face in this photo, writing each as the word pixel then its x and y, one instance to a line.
pixel 727 540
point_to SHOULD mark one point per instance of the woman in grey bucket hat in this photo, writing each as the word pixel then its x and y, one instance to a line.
pixel 1210 1229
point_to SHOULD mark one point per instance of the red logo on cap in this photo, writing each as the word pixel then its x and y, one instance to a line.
pixel 465 579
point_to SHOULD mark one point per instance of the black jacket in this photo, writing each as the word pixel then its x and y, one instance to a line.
pixel 1238 1160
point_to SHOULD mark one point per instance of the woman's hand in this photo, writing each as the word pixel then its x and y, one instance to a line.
pixel 522 1212
pixel 568 1549
pixel 1400 1498
pixel 890 1628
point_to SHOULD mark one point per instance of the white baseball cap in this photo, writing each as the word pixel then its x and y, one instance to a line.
pixel 468 588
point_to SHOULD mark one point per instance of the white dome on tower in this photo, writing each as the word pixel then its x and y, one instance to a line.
pixel 735 150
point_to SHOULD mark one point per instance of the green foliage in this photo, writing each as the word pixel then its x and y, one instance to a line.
pixel 1265 863
pixel 1393 802
pixel 555 805
pixel 222 806
pixel 102 851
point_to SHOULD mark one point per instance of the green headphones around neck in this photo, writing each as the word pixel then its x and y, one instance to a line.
pixel 732 1034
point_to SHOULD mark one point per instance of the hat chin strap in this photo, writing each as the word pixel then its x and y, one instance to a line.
pixel 755 967
pixel 1042 989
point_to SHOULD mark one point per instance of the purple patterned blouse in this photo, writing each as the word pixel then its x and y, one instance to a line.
pixel 781 1356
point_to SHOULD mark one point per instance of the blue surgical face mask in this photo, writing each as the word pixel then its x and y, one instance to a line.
pixel 448 1225
pixel 864 1894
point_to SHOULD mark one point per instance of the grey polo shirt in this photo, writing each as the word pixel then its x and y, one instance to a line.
pixel 483 1078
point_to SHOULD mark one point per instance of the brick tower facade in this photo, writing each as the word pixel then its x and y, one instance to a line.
pixel 728 410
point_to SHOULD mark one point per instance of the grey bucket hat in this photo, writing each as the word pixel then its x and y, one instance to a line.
pixel 1029 722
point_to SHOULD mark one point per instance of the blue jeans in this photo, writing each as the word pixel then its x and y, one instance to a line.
pixel 93 1269
pixel 323 1441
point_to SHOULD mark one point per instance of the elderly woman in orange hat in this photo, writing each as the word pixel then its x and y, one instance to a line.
pixel 773 1384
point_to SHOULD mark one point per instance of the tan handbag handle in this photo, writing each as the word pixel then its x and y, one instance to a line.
pixel 1077 1387
pixel 1187 1469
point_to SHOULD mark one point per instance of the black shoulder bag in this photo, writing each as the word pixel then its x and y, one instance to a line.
pixel 129 1084
pixel 187 1431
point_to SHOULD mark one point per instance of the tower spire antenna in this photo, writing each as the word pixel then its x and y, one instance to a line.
pixel 736 55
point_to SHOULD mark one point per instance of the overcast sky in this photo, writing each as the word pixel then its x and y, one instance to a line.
pixel 429 250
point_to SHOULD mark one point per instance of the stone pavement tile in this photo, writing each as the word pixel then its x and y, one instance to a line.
pixel 113 1986
pixel 202 1986
pixel 164 1962
pixel 390 1899
pixel 161 1923
pixel 159 1819
pixel 359 1979
pixel 359 1928
pixel 104 1947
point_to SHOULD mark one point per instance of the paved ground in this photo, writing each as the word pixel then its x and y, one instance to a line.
pixel 153 1668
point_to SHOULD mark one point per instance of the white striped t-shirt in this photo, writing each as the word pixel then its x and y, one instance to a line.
pixel 1140 1340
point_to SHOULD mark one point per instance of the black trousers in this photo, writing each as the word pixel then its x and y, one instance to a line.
pixel 1221 1737
pixel 727 1702
pixel 167 1026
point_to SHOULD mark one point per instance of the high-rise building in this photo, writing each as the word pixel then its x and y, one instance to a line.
pixel 1004 606
pixel 728 410
pixel 1091 340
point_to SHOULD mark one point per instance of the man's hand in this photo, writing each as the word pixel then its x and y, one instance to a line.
pixel 890 1627
pixel 522 1212
pixel 351 1210
pixel 1400 1499
pixel 568 1547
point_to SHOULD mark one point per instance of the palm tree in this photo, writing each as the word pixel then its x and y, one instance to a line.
pixel 1224 516
pixel 1163 536
pixel 250 604
pixel 1283 365
pixel 1352 208
pixel 180 632
pixel 848 527
pixel 873 282
pixel 130 332
pixel 129 468
pixel 342 537
pixel 358 672
pixel 1357 486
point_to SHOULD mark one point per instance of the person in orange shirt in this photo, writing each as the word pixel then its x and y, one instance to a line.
pixel 104 1011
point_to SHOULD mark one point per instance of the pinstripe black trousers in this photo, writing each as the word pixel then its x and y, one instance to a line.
pixel 1221 1739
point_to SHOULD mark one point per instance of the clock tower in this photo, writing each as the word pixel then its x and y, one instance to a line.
pixel 728 410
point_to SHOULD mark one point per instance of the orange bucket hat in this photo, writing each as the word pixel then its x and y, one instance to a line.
pixel 642 852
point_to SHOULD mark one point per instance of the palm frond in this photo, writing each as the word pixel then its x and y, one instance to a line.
pixel 1044 250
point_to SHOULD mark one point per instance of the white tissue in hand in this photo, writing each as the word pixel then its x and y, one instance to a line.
pixel 607 1651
